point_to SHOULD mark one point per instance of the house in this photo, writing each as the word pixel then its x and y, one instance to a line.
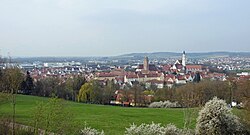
pixel 189 77
pixel 130 78
pixel 180 79
pixel 193 68
pixel 105 76
pixel 166 68
pixel 119 80
pixel 169 80
pixel 158 83
pixel 139 77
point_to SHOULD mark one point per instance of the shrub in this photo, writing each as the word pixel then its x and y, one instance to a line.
pixel 154 129
pixel 90 131
pixel 53 116
pixel 156 105
pixel 165 104
pixel 145 129
pixel 171 129
pixel 217 118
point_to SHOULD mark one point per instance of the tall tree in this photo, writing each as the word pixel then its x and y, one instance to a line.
pixel 137 90
pixel 29 83
pixel 12 80
pixel 97 92
pixel 53 116
pixel 78 81
pixel 243 96
pixel 84 93
pixel 109 91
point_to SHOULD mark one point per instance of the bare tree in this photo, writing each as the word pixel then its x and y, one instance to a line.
pixel 12 79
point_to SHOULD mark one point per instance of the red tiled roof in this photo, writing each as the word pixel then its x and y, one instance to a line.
pixel 178 66
pixel 196 67
pixel 120 79
pixel 181 77
pixel 155 81
pixel 103 74
pixel 132 76
pixel 152 75
pixel 166 67
pixel 169 82
pixel 244 77
pixel 169 76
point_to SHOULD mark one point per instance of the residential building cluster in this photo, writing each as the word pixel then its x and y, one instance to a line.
pixel 178 73
pixel 160 73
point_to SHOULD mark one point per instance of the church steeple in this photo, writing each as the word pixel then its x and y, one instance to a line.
pixel 184 59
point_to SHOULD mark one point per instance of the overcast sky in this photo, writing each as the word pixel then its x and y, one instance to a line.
pixel 114 27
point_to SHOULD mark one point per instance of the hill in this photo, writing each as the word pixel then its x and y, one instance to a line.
pixel 111 119
pixel 156 55
pixel 133 56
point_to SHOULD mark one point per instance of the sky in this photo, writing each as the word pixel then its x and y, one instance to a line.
pixel 114 27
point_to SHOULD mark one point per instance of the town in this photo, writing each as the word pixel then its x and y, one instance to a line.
pixel 153 74
pixel 132 67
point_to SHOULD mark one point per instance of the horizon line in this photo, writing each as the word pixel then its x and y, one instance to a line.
pixel 93 56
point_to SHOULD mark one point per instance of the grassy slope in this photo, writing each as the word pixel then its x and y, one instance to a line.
pixel 111 119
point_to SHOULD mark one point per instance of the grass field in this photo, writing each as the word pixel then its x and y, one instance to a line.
pixel 111 119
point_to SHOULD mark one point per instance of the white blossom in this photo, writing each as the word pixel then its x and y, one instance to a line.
pixel 217 119
pixel 155 129
pixel 165 104
pixel 90 131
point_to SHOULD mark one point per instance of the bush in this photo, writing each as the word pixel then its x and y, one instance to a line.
pixel 165 104
pixel 53 116
pixel 173 130
pixel 154 129
pixel 90 131
pixel 217 118
pixel 145 129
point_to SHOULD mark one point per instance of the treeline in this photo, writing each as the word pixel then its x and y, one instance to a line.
pixel 56 87
pixel 197 94
pixel 94 92
pixel 13 79
pixel 76 88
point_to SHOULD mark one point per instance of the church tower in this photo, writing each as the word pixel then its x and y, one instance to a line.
pixel 183 62
pixel 145 64
pixel 184 59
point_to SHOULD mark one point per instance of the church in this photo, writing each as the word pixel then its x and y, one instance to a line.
pixel 145 68
pixel 180 65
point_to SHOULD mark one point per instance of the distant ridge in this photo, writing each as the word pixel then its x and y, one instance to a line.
pixel 135 56
pixel 190 55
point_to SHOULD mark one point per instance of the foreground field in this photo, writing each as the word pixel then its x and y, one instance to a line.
pixel 112 119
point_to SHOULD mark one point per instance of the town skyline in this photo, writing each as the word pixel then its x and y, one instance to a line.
pixel 124 67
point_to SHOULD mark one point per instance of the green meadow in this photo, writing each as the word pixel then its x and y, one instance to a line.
pixel 112 119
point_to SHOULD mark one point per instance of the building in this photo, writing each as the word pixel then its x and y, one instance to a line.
pixel 180 65
pixel 146 64
pixel 194 68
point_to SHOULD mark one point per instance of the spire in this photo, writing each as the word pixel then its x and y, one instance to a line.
pixel 184 59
